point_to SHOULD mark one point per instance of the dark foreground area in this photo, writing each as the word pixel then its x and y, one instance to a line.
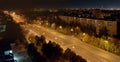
pixel 40 51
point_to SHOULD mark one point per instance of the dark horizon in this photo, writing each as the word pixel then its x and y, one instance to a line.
pixel 59 3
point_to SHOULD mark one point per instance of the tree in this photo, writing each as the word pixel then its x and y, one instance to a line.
pixel 40 40
pixel 34 55
pixel 13 31
pixel 72 57
pixel 68 54
pixel 52 50
pixel 78 59
pixel 103 31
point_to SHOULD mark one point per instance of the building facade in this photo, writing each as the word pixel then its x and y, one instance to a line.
pixel 111 26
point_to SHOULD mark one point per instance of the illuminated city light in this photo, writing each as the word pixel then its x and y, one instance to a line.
pixel 47 41
pixel 8 52
pixel 43 33
pixel 60 27
pixel 53 25
pixel 11 51
pixel 77 27
pixel 84 34
pixel 16 59
pixel 46 23
pixel 73 47
pixel 71 29
pixel 106 41
pixel 6 12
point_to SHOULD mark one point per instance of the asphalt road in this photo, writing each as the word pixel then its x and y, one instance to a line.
pixel 91 53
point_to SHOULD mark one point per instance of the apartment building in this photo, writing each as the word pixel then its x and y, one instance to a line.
pixel 111 26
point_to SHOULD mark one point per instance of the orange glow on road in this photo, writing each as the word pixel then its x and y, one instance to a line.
pixel 17 18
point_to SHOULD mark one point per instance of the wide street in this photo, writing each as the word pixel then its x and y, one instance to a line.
pixel 91 53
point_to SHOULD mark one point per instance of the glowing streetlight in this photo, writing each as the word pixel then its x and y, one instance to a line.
pixel 46 23
pixel 60 27
pixel 77 27
pixel 84 34
pixel 71 29
pixel 106 41
pixel 53 25
pixel 11 51
pixel 6 12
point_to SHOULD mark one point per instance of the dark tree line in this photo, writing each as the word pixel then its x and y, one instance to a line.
pixel 51 52
pixel 34 55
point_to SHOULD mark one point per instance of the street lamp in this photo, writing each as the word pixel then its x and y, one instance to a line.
pixel 53 25
pixel 84 34
pixel 71 30
pixel 106 42
pixel 47 23
pixel 60 27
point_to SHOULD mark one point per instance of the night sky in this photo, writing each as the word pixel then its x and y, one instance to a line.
pixel 60 3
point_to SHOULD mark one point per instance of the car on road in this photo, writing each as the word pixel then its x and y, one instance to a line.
pixel 9 56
